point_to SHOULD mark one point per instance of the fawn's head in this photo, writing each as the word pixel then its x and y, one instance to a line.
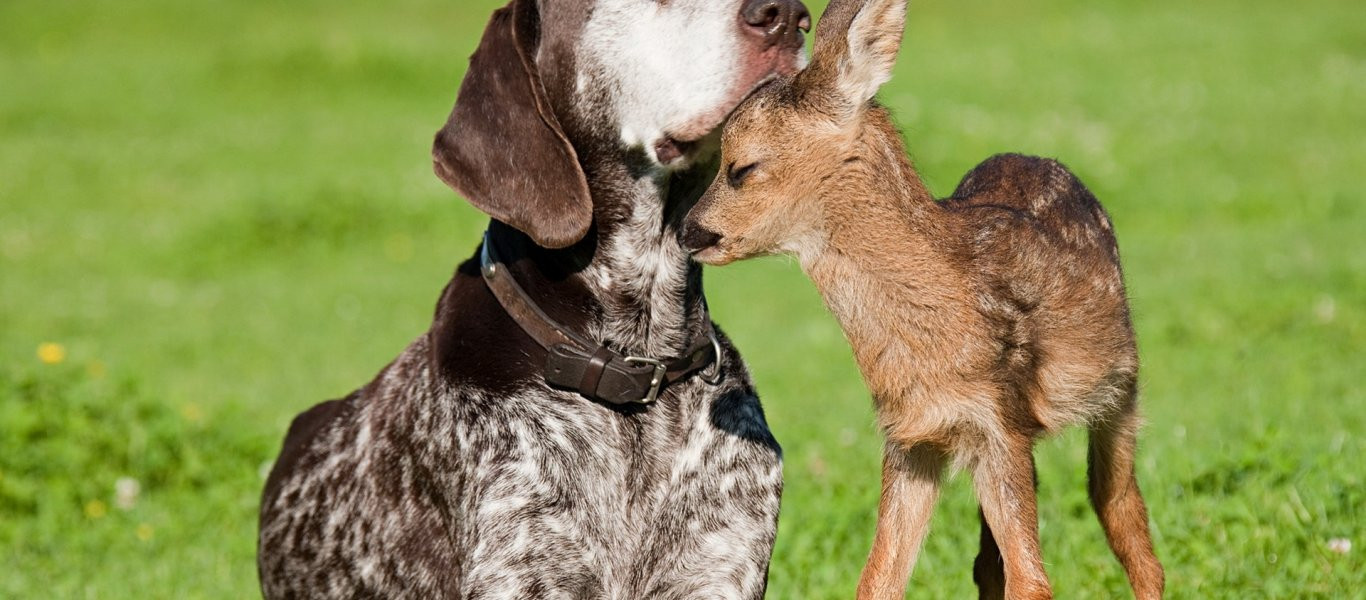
pixel 783 151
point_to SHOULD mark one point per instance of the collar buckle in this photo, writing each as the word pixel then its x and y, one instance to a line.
pixel 571 362
pixel 712 373
pixel 656 380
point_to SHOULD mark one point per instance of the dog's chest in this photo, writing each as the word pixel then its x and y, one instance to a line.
pixel 604 505
pixel 537 494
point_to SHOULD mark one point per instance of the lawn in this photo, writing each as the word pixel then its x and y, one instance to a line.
pixel 215 214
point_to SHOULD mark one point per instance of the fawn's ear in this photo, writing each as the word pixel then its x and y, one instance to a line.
pixel 855 50
pixel 502 147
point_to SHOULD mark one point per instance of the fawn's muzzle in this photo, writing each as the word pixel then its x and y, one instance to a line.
pixel 697 238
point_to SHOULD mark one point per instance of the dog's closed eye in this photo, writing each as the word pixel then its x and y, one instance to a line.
pixel 737 175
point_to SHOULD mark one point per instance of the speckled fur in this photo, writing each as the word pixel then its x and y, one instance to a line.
pixel 423 488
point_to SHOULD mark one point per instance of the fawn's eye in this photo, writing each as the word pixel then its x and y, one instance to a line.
pixel 737 175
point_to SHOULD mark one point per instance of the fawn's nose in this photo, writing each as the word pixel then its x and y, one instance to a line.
pixel 697 238
pixel 776 22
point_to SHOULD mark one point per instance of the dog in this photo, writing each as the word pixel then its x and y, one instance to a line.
pixel 572 425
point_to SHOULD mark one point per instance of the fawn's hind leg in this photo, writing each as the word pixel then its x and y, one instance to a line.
pixel 1118 503
pixel 910 486
pixel 1004 480
pixel 988 572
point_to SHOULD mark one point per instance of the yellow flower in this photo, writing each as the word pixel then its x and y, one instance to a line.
pixel 144 532
pixel 95 509
pixel 51 353
pixel 399 248
pixel 192 413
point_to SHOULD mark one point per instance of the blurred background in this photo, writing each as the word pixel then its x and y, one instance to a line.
pixel 215 214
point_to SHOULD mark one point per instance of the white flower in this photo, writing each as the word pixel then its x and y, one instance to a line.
pixel 126 491
pixel 1340 545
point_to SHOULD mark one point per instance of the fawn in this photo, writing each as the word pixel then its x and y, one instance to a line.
pixel 979 323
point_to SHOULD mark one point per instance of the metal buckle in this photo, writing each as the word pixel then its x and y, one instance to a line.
pixel 712 374
pixel 656 382
pixel 486 264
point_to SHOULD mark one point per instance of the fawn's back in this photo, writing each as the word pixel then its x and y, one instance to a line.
pixel 1047 277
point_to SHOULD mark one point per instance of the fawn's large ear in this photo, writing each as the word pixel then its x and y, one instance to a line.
pixel 502 147
pixel 855 50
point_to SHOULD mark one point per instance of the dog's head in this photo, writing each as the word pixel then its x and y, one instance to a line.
pixel 552 78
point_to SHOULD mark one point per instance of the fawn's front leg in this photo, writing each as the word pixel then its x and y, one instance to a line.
pixel 1004 479
pixel 910 486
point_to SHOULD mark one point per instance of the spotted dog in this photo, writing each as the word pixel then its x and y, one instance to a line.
pixel 480 463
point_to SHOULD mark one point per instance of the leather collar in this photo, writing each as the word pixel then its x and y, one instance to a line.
pixel 594 370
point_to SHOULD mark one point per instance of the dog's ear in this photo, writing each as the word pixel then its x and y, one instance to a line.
pixel 854 52
pixel 502 147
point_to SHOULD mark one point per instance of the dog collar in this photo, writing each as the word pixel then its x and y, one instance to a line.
pixel 594 370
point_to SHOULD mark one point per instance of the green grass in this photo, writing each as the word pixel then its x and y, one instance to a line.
pixel 224 212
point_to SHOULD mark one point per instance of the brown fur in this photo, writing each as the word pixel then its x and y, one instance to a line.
pixel 979 323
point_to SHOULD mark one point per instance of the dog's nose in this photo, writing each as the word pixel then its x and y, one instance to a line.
pixel 777 22
pixel 697 237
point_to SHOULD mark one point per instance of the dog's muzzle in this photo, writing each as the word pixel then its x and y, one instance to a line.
pixel 777 22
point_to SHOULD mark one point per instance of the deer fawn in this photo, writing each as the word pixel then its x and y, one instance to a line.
pixel 979 323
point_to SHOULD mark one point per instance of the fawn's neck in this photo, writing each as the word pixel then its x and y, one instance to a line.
pixel 882 269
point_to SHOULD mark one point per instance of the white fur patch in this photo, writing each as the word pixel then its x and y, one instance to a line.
pixel 669 66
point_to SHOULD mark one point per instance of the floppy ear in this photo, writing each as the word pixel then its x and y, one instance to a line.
pixel 855 50
pixel 502 147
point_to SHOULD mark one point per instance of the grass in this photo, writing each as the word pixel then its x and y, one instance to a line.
pixel 223 213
